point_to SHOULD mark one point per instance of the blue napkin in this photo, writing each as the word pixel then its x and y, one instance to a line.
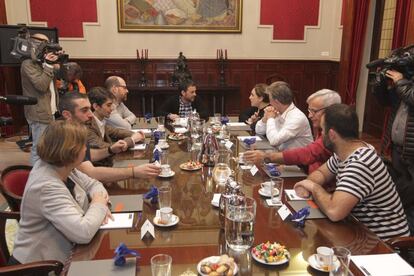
pixel 121 251
pixel 156 154
pixel 224 120
pixel 148 117
pixel 249 141
pixel 152 194
pixel 157 135
pixel 300 216
pixel 272 170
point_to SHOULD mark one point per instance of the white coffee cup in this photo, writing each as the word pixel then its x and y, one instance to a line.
pixel 266 186
pixel 165 169
pixel 166 214
pixel 324 256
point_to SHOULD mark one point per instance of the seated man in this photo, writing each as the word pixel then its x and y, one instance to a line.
pixel 76 107
pixel 100 134
pixel 184 104
pixel 283 123
pixel 312 155
pixel 363 188
pixel 121 116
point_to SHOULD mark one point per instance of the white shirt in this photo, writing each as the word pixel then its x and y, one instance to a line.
pixel 121 117
pixel 53 105
pixel 101 125
pixel 289 130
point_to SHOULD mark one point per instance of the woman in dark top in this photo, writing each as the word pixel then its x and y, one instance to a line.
pixel 259 99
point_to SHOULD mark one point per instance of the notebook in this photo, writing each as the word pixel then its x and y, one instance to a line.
pixel 315 212
pixel 126 203
pixel 102 268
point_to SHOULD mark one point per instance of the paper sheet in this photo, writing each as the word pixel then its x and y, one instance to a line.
pixel 236 124
pixel 121 220
pixel 139 147
pixel 382 265
pixel 291 194
pixel 144 130
pixel 216 200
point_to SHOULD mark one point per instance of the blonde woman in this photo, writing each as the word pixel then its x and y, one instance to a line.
pixel 55 211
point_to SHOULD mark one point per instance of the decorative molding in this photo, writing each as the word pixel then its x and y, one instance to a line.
pixel 84 24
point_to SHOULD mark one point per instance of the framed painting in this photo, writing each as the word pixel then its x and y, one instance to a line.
pixel 180 16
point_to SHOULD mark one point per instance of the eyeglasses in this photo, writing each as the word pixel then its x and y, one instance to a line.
pixel 123 86
pixel 314 111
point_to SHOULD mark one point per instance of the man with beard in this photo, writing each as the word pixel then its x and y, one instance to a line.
pixel 121 116
pixel 363 188
pixel 76 107
pixel 182 105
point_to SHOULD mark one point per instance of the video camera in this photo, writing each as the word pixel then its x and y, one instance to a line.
pixel 401 60
pixel 24 45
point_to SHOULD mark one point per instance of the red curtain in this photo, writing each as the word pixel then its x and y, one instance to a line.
pixel 354 34
pixel 402 14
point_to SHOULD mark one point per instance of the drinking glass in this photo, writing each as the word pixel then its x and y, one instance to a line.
pixel 163 157
pixel 340 262
pixel 160 121
pixel 239 224
pixel 164 196
pixel 276 182
pixel 161 265
pixel 196 147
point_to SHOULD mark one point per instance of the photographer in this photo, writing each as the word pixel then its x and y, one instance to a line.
pixel 37 81
pixel 400 96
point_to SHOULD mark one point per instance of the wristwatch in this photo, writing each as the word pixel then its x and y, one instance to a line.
pixel 267 158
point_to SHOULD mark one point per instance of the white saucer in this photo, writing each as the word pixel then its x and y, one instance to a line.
pixel 174 220
pixel 165 147
pixel 266 194
pixel 172 173
pixel 214 259
pixel 314 264
pixel 285 260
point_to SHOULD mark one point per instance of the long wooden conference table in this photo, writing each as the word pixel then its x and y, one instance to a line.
pixel 198 234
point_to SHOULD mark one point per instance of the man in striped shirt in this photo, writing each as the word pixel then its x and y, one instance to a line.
pixel 363 186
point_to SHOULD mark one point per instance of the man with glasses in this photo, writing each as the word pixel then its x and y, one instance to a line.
pixel 312 155
pixel 121 116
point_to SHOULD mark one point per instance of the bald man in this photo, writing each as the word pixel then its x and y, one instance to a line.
pixel 37 81
pixel 121 116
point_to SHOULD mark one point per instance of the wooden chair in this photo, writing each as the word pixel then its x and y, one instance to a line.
pixel 405 247
pixel 34 268
pixel 12 184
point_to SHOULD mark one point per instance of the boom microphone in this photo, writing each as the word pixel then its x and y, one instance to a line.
pixel 18 99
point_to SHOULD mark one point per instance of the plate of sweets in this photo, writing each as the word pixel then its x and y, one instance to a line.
pixel 217 265
pixel 270 253
pixel 176 136
pixel 191 165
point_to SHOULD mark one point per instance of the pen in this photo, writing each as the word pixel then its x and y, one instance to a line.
pixel 138 219
pixel 365 270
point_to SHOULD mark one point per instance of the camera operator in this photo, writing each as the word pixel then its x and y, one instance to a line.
pixel 400 133
pixel 37 81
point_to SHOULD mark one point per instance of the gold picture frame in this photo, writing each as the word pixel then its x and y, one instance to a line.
pixel 200 16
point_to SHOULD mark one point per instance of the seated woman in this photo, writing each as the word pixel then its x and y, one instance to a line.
pixel 55 211
pixel 259 99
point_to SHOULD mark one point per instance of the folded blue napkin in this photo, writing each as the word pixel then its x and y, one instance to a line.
pixel 121 251
pixel 299 217
pixel 157 135
pixel 249 141
pixel 152 194
pixel 272 170
pixel 148 117
pixel 224 120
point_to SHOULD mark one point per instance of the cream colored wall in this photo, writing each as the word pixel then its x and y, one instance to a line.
pixel 103 40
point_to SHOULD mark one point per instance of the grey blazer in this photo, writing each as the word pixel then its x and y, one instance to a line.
pixel 52 221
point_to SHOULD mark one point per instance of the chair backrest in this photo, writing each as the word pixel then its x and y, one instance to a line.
pixel 12 184
pixel 4 251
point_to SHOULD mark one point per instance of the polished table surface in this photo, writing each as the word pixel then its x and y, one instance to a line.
pixel 198 234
